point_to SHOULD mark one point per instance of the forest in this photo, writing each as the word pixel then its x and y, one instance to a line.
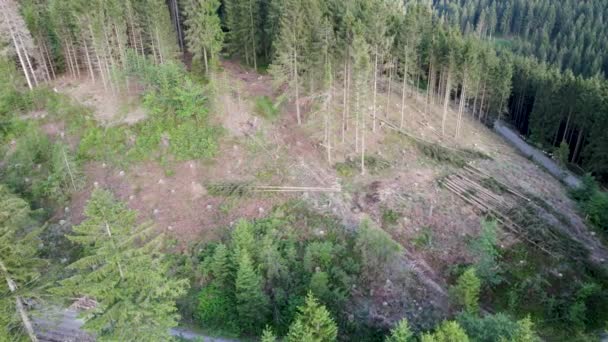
pixel 302 170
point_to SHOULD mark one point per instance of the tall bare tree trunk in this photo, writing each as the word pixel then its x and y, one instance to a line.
pixel 446 100
pixel 345 101
pixel 27 324
pixel 362 136
pixel 17 48
pixel 403 89
pixel 295 75
pixel 579 139
pixel 89 63
pixel 390 82
pixel 375 90
pixel 253 45
pixel 206 62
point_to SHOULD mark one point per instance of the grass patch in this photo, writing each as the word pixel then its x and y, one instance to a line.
pixel 390 217
pixel 424 239
pixel 373 165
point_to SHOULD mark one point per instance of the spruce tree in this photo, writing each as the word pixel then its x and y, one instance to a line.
pixel 313 323
pixel 448 331
pixel 401 333
pixel 124 272
pixel 19 266
pixel 204 34
pixel 291 53
pixel 251 302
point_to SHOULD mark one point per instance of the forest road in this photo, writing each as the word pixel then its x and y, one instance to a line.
pixel 537 155
pixel 56 325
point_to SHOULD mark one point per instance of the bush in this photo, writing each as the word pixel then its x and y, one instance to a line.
pixel 265 108
pixel 484 249
pixel 466 291
pixel 39 170
pixel 216 310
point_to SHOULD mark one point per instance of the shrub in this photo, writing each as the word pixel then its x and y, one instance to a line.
pixel 265 108
pixel 376 248
pixel 216 310
pixel 484 249
pixel 466 291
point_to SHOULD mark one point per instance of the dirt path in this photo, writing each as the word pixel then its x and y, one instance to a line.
pixel 57 325
pixel 538 156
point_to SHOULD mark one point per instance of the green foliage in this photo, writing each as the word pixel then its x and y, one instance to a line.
pixel 268 335
pixel 376 248
pixel 490 328
pixel 216 309
pixel 562 153
pixel 466 291
pixel 266 108
pixel 448 331
pixel 484 249
pixel 593 202
pixel 267 266
pixel 39 170
pixel 401 333
pixel 19 261
pixel 124 271
pixel 373 165
pixel 251 302
pixel 204 33
pixel 389 217
pixel 424 239
pixel 313 323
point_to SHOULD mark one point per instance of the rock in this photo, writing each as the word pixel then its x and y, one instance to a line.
pixel 66 209
pixel 170 228
pixel 121 173
pixel 172 191
pixel 384 304
pixel 209 207
pixel 161 181
pixel 104 165
pixel 132 197
pixel 61 222
pixel 261 210
pixel 96 184
pixel 156 211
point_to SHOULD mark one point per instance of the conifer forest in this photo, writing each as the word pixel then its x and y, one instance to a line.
pixel 303 170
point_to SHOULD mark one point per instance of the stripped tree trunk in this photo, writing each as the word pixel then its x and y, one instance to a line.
pixel 27 324
pixel 375 90
pixel 446 100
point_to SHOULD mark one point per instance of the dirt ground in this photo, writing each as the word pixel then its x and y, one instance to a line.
pixel 255 150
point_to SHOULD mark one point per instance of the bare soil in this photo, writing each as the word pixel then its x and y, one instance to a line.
pixel 174 197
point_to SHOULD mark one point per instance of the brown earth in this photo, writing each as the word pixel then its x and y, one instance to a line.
pixel 174 197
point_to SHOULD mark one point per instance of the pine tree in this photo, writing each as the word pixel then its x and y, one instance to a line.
pixel 361 71
pixel 401 333
pixel 19 266
pixel 291 51
pixel 204 34
pixel 268 335
pixel 251 301
pixel 448 331
pixel 313 323
pixel 466 291
pixel 123 271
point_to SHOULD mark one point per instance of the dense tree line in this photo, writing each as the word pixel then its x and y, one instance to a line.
pixel 569 34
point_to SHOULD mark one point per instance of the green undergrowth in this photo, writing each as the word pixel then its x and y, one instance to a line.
pixel 594 204
pixel 276 261
pixel 442 154
pixel 267 108
pixel 373 164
